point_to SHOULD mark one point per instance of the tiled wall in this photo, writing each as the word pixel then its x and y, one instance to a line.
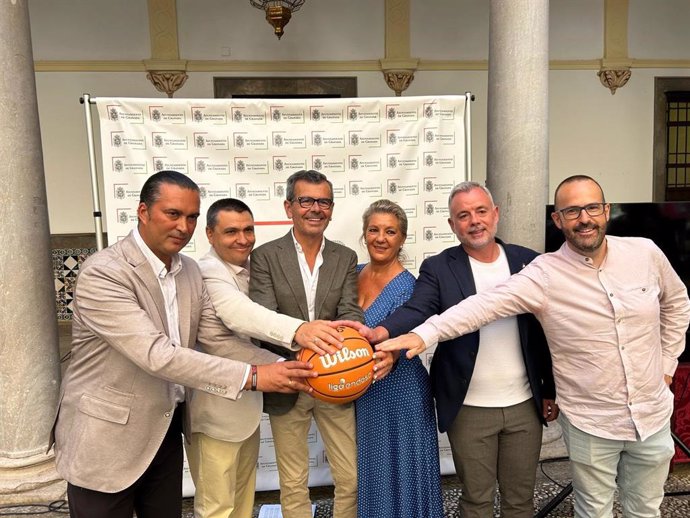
pixel 68 254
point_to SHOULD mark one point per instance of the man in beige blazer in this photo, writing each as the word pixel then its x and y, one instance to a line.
pixel 139 310
pixel 224 446
pixel 306 276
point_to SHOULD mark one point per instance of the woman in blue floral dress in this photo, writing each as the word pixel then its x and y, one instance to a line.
pixel 397 442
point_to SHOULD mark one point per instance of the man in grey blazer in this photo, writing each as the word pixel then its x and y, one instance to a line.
pixel 139 310
pixel 224 446
pixel 307 276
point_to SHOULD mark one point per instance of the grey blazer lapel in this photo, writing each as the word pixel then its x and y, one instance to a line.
pixel 286 257
pixel 142 270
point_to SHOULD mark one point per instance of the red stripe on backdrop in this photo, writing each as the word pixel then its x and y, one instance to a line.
pixel 262 223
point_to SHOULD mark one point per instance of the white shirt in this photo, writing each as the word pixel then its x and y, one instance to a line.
pixel 613 331
pixel 310 278
pixel 499 378
pixel 166 281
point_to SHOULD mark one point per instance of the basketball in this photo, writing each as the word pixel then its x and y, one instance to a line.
pixel 345 375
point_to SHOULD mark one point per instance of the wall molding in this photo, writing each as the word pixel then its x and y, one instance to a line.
pixel 373 65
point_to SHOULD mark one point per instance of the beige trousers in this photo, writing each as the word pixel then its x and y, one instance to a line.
pixel 224 474
pixel 336 423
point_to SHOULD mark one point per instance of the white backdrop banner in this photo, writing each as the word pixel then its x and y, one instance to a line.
pixel 411 150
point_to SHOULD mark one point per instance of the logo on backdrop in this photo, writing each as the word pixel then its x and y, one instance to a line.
pixel 247 148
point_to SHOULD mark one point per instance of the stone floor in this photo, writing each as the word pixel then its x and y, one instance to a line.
pixel 551 478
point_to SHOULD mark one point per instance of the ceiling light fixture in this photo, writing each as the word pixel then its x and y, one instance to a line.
pixel 278 12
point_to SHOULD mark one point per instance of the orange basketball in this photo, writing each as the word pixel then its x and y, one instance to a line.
pixel 345 375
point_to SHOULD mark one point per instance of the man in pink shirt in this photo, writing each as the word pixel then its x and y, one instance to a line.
pixel 615 315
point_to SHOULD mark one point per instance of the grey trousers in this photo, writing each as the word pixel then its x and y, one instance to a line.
pixel 496 444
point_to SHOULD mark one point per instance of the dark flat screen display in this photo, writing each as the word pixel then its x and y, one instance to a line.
pixel 667 224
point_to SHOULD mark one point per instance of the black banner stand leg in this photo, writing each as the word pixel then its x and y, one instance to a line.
pixel 555 501
pixel 685 450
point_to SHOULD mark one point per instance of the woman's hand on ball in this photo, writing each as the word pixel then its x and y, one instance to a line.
pixel 319 336
pixel 287 377
pixel 383 363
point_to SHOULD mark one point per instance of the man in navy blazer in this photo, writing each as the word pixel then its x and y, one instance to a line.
pixel 493 399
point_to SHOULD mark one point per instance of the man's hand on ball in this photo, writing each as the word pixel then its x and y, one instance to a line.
pixel 383 363
pixel 412 342
pixel 319 336
pixel 287 377
pixel 372 336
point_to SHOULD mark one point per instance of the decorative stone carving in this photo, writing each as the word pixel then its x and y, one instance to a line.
pixel 398 80
pixel 167 82
pixel 614 79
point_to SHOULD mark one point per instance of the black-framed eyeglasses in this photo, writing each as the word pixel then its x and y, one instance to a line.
pixel 307 202
pixel 593 209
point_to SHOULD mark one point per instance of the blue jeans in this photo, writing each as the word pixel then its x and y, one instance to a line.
pixel 641 468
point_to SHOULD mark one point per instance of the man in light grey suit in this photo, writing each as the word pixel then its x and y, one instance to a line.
pixel 307 276
pixel 139 310
pixel 225 434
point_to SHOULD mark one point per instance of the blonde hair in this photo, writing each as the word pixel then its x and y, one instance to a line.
pixel 385 207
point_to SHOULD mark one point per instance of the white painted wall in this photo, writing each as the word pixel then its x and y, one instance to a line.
pixel 449 30
pixel 591 131
pixel 63 132
pixel 607 137
pixel 89 29
pixel 576 29
pixel 320 30
pixel 659 29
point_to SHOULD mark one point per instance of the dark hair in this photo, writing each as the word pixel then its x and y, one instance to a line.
pixel 310 176
pixel 385 207
pixel 151 190
pixel 578 178
pixel 225 204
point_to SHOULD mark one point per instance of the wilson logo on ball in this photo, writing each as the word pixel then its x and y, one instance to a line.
pixel 344 375
pixel 345 355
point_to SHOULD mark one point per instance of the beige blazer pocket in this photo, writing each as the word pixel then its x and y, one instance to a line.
pixel 105 410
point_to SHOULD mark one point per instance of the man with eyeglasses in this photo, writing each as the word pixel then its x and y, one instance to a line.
pixel 494 388
pixel 306 276
pixel 615 314
pixel 224 446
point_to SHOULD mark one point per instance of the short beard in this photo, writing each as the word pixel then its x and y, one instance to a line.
pixel 577 242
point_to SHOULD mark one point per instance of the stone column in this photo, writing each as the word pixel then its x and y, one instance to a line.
pixel 518 131
pixel 28 327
